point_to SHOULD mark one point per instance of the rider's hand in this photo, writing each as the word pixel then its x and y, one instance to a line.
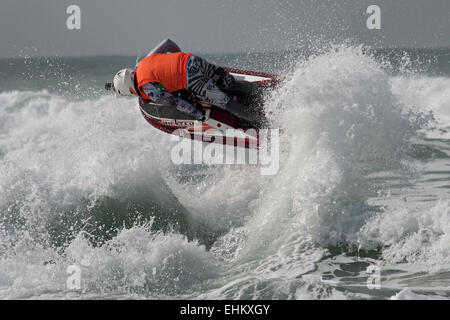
pixel 201 116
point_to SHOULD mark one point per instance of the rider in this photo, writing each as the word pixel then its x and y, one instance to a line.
pixel 166 70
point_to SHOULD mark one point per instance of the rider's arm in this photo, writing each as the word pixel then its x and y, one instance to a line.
pixel 165 46
pixel 163 97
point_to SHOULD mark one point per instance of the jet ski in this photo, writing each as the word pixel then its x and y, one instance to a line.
pixel 237 125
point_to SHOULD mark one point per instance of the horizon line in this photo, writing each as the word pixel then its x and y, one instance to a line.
pixel 210 53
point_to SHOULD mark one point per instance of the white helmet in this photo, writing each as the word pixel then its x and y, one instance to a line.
pixel 124 82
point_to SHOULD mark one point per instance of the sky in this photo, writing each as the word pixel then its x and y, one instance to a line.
pixel 133 27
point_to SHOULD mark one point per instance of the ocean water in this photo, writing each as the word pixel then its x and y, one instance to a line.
pixel 359 208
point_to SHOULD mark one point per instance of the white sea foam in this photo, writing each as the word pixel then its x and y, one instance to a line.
pixel 343 117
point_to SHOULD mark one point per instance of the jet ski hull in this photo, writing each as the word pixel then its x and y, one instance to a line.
pixel 236 128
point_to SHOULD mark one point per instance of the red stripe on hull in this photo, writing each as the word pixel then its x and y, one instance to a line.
pixel 234 141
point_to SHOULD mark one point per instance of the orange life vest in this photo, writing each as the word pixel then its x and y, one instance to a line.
pixel 169 69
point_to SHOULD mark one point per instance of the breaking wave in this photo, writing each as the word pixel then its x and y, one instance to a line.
pixel 89 183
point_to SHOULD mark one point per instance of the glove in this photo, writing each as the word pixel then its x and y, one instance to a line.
pixel 200 116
